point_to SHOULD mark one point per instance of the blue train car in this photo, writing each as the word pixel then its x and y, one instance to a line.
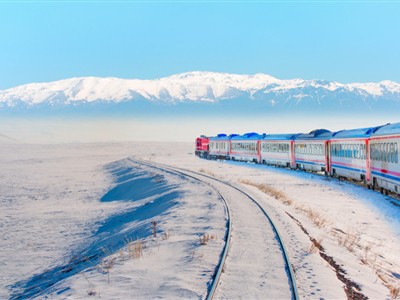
pixel 219 146
pixel 278 149
pixel 384 158
pixel 310 150
pixel 349 154
pixel 246 147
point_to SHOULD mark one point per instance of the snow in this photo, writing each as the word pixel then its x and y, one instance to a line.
pixel 61 203
pixel 192 86
pixel 4 139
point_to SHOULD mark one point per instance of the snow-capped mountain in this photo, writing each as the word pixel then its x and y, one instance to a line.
pixel 197 87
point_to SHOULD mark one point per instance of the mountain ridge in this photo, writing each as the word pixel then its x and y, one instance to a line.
pixel 196 86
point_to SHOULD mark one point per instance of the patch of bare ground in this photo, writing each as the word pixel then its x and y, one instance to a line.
pixel 352 289
pixel 351 240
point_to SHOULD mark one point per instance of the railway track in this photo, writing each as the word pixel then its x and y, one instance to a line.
pixel 228 192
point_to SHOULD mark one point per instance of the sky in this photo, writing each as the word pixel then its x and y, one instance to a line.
pixel 353 41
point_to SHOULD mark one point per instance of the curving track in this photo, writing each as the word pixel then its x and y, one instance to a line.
pixel 257 265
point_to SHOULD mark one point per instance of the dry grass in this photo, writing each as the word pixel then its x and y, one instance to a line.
pixel 315 246
pixel 318 220
pixel 166 235
pixel 312 249
pixel 91 291
pixel 394 291
pixel 135 249
pixel 106 265
pixel 269 190
pixel 206 238
pixel 349 240
pixel 207 172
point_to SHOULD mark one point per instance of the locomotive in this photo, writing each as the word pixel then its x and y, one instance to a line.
pixel 366 155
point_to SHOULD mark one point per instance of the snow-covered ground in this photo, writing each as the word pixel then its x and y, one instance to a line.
pixel 77 218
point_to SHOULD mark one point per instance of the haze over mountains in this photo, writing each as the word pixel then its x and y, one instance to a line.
pixel 202 90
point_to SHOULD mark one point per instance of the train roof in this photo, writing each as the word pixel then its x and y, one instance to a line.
pixel 222 137
pixel 355 133
pixel 248 136
pixel 317 134
pixel 281 137
pixel 387 129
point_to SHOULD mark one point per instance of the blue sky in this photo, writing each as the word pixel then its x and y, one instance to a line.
pixel 346 42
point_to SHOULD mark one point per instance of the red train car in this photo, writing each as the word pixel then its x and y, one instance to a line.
pixel 202 146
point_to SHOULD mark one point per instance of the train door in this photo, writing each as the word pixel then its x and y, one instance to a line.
pixel 328 157
pixel 367 162
pixel 292 155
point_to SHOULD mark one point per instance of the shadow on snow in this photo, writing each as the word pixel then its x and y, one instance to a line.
pixel 134 223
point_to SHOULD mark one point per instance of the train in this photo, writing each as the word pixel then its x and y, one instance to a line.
pixel 369 156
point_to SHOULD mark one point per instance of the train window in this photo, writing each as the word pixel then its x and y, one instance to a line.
pixel 371 152
pixel 396 154
pixel 391 152
pixel 383 152
pixel 362 151
pixel 386 152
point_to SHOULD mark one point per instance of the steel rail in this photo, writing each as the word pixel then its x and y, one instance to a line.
pixel 217 275
pixel 289 269
pixel 285 255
